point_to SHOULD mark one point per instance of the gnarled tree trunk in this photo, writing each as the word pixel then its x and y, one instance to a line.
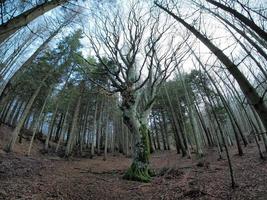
pixel 139 170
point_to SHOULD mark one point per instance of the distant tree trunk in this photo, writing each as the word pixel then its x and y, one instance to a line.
pixel 73 130
pixel 156 132
pixel 16 114
pixel 150 142
pixel 36 126
pixel 179 137
pixel 51 126
pixel 95 129
pixel 230 112
pixel 99 128
pixel 227 108
pixel 113 140
pixel 6 110
pixel 106 135
pixel 191 112
pixel 12 110
pixel 9 147
pixel 165 128
pixel 59 127
pixel 163 134
pixel 260 128
pixel 64 127
pixel 4 107
pixel 225 146
pixel 121 140
pixel 254 132
pixel 203 125
pixel 153 140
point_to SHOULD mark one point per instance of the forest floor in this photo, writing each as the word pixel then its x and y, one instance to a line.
pixel 50 177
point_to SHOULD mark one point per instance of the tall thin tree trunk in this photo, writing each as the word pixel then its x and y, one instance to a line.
pixel 9 147
pixel 106 134
pixel 64 127
pixel 37 124
pixel 249 91
pixel 73 130
pixel 179 137
pixel 250 23
pixel 51 126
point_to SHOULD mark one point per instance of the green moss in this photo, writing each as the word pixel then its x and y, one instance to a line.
pixel 145 143
pixel 151 172
pixel 139 170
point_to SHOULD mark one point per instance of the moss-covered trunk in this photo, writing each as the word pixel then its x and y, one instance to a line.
pixel 139 169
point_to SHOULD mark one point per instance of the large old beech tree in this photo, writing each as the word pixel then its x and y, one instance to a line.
pixel 136 57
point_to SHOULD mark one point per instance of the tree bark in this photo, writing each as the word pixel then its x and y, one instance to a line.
pixel 106 136
pixel 64 127
pixel 138 170
pixel 14 24
pixel 73 130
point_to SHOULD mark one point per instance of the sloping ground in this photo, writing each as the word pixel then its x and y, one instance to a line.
pixel 47 177
pixel 5 132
